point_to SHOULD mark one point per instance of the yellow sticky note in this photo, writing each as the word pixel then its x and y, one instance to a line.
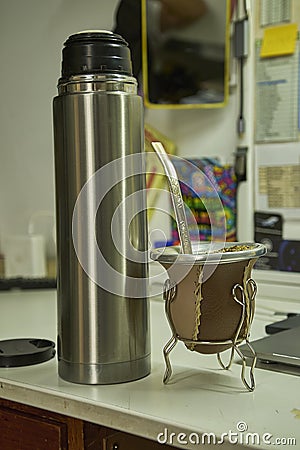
pixel 278 41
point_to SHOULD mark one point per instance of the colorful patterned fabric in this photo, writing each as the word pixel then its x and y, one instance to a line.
pixel 209 191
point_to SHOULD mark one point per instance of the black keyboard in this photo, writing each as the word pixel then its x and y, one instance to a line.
pixel 292 321
pixel 7 284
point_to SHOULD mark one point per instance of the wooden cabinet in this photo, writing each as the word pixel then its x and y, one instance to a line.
pixel 21 431
pixel 27 428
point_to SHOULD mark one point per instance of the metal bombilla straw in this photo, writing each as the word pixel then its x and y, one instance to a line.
pixel 176 196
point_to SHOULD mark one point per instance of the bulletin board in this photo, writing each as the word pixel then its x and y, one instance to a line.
pixel 277 111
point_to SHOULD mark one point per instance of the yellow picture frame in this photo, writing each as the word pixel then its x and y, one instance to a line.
pixel 145 68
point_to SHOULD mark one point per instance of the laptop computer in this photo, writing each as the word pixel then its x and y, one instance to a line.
pixel 282 348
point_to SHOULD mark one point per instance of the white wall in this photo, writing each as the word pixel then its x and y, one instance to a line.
pixel 209 132
pixel 32 33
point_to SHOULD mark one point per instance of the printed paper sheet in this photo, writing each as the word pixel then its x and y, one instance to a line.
pixel 277 98
pixel 278 176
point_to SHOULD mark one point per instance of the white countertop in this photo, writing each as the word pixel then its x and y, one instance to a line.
pixel 200 397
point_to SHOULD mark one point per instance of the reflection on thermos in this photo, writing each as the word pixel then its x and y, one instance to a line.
pixel 103 321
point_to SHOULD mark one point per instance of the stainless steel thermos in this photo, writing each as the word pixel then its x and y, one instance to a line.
pixel 103 316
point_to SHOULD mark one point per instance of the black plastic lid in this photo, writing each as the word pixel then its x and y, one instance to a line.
pixel 93 52
pixel 25 352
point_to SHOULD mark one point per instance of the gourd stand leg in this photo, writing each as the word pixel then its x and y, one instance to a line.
pixel 230 360
pixel 250 386
pixel 167 349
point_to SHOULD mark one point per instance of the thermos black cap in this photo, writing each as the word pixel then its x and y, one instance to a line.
pixel 91 52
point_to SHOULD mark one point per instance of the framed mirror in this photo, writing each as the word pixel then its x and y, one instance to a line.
pixel 185 53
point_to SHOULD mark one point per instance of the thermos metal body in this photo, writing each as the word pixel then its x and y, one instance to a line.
pixel 103 333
